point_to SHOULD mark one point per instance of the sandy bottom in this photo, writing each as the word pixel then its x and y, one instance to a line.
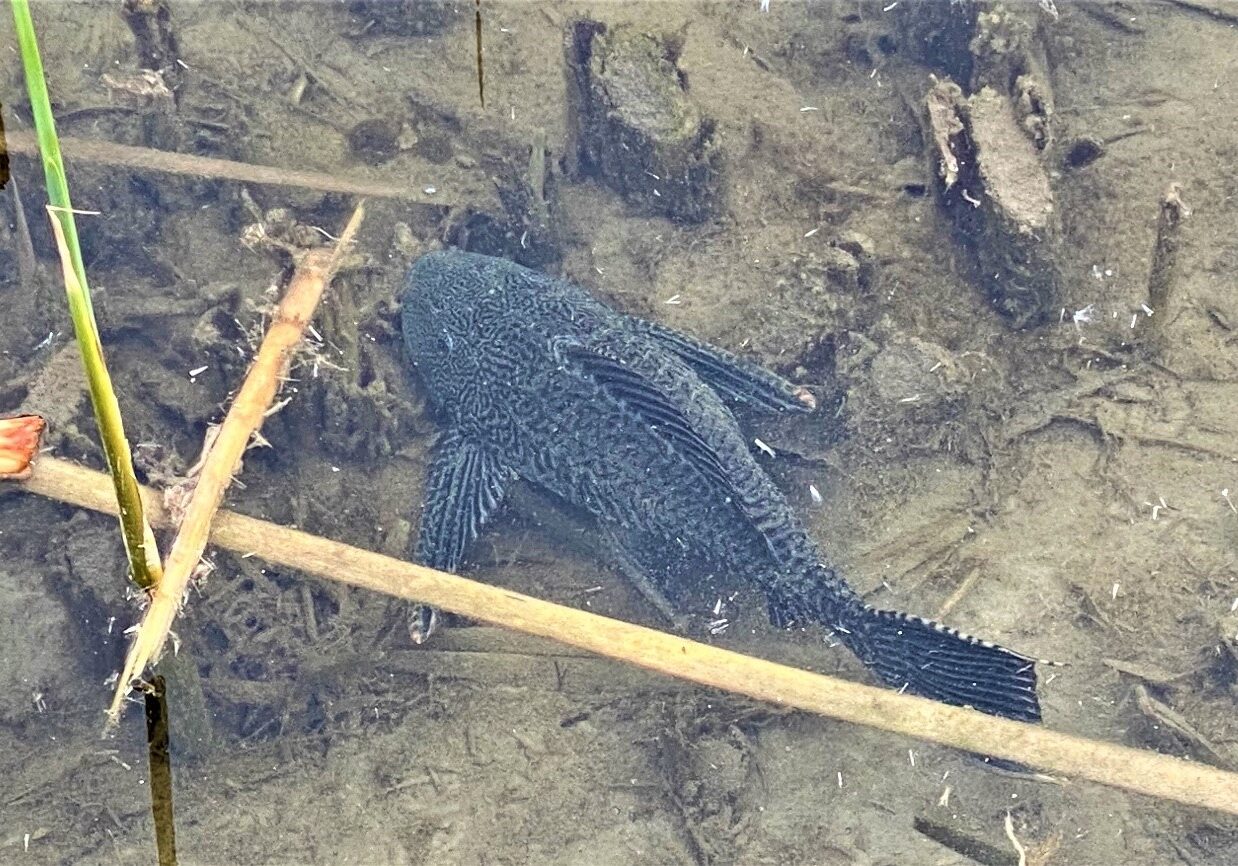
pixel 1070 477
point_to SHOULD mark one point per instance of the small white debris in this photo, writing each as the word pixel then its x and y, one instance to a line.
pixel 812 232
pixel 198 371
pixel 718 607
pixel 967 197
pixel 1228 501
pixel 891 6
pixel 911 756
pixel 1134 319
pixel 815 494
pixel 913 398
pixel 840 778
pixel 764 5
pixel 673 300
pixel 39 703
pixel 1147 311
pixel 809 108
pixel 430 190
pixel 765 448
pixel 1085 316
pixel 1113 593
pixel 718 626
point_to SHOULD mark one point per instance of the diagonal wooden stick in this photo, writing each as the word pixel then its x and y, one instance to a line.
pixel 314 271
pixel 1117 766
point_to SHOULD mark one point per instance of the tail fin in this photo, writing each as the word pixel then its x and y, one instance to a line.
pixel 937 662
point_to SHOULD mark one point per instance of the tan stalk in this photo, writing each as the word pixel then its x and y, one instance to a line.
pixel 479 195
pixel 222 456
pixel 1034 745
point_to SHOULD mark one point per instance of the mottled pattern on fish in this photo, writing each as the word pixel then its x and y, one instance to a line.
pixel 626 419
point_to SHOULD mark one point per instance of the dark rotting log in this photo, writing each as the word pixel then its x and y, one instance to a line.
pixel 633 125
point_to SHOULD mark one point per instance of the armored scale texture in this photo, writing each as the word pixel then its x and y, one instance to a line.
pixel 628 420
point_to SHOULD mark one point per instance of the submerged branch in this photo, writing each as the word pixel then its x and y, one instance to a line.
pixel 222 456
pixel 1117 766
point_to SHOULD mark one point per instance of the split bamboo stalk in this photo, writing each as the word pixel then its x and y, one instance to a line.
pixel 1116 766
pixel 222 456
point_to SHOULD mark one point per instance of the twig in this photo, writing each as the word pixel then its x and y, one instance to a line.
pixel 26 262
pixel 243 420
pixel 1108 764
pixel 159 755
pixel 1205 7
pixel 1014 840
pixel 973 577
pixel 149 159
pixel 1165 258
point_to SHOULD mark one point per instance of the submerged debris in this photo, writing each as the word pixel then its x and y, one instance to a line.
pixel 995 189
pixel 19 442
pixel 633 125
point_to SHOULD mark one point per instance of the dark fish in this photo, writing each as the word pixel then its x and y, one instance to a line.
pixel 626 419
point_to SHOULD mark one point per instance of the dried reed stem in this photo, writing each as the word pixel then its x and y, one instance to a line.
pixel 151 159
pixel 244 418
pixel 1117 766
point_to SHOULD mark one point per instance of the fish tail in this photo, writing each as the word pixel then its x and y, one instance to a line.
pixel 937 662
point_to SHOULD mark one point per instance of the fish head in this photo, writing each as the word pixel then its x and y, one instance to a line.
pixel 442 316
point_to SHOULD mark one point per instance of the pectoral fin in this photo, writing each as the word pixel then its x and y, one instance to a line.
pixel 465 487
pixel 732 377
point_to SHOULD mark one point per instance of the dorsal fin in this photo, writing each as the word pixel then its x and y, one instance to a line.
pixel 732 377
pixel 636 393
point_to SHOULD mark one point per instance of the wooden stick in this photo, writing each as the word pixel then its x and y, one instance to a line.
pixel 1117 766
pixel 223 454
pixel 150 159
pixel 1173 212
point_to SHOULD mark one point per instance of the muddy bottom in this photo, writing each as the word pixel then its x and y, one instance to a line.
pixel 1067 487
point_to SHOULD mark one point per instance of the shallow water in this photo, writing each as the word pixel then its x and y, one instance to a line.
pixel 1064 485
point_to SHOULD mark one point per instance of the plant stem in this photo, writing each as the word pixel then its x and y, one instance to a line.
pixel 139 540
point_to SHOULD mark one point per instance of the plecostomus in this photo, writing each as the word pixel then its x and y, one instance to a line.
pixel 627 420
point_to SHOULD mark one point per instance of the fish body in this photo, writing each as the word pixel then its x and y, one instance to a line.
pixel 629 421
